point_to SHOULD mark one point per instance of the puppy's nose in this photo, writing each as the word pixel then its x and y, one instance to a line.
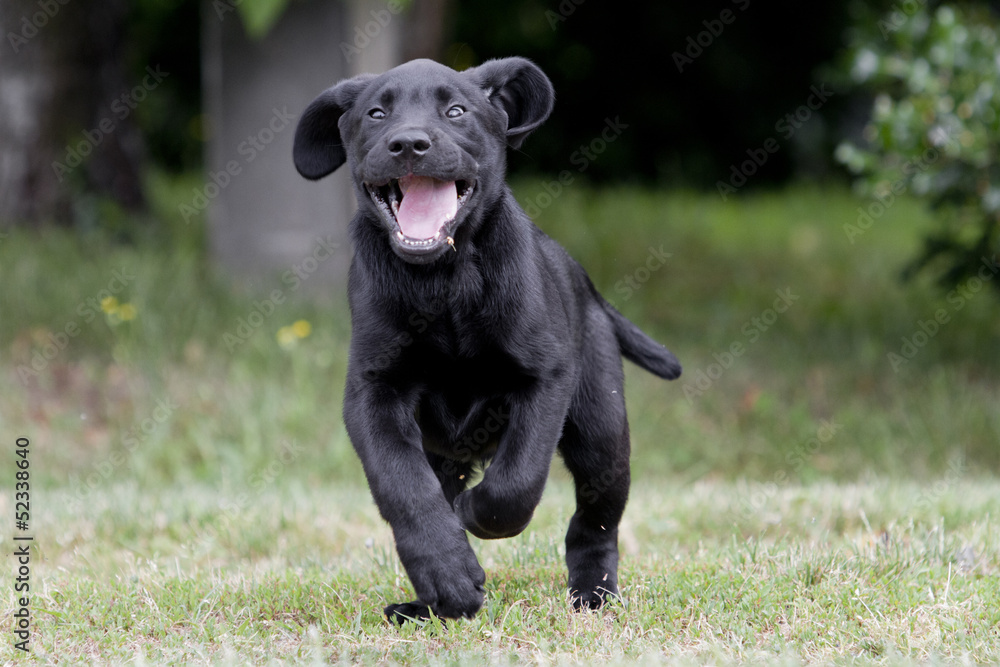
pixel 409 143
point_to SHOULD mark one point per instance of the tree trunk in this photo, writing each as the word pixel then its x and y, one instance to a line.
pixel 66 123
pixel 424 33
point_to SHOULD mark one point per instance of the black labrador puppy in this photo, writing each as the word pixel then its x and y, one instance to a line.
pixel 476 339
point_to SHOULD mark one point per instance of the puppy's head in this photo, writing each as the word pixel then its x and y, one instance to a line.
pixel 426 145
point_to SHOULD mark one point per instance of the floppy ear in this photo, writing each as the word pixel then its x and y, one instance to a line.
pixel 519 88
pixel 318 148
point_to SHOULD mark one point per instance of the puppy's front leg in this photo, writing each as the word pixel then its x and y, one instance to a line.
pixel 502 504
pixel 430 540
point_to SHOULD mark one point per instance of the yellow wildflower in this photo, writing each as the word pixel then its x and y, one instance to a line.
pixel 127 312
pixel 286 337
pixel 302 328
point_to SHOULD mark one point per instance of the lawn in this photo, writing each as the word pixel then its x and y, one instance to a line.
pixel 878 570
pixel 820 485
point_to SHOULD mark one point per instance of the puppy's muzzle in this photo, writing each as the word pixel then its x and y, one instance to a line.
pixel 409 144
pixel 421 209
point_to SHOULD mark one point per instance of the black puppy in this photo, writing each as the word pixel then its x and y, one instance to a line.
pixel 476 338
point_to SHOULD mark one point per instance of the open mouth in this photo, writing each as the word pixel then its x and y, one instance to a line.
pixel 421 207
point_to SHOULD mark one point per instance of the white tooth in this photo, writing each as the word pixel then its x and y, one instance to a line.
pixel 399 235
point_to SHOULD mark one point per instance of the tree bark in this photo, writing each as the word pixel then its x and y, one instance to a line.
pixel 426 21
pixel 63 130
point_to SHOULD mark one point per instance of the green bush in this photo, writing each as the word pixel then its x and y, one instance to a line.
pixel 934 130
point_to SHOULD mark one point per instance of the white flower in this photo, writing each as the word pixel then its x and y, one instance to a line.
pixel 865 64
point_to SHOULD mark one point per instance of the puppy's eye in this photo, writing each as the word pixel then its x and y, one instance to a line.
pixel 455 111
pixel 376 113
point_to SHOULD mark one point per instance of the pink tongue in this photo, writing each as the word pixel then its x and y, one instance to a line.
pixel 427 204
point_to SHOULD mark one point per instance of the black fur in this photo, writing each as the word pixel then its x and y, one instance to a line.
pixel 489 344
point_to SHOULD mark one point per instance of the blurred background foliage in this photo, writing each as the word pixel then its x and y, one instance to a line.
pixel 92 403
pixel 695 122
pixel 934 129
pixel 909 80
pixel 901 73
pixel 166 32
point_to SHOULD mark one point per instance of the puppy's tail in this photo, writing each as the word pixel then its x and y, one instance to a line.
pixel 640 349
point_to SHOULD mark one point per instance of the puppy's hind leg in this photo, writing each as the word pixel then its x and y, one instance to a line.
pixel 595 446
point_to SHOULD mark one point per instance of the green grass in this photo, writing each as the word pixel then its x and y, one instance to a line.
pixel 878 571
pixel 199 503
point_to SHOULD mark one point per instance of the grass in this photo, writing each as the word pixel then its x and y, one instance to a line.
pixel 802 500
pixel 877 571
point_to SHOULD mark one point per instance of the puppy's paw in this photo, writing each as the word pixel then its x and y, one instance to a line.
pixel 447 581
pixel 458 592
pixel 592 587
pixel 593 599
pixel 451 606
pixel 398 614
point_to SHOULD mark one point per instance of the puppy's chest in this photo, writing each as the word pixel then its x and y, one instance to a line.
pixel 462 426
pixel 463 398
pixel 450 371
pixel 465 337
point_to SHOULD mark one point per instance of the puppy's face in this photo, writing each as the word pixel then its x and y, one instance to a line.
pixel 426 145
pixel 417 139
